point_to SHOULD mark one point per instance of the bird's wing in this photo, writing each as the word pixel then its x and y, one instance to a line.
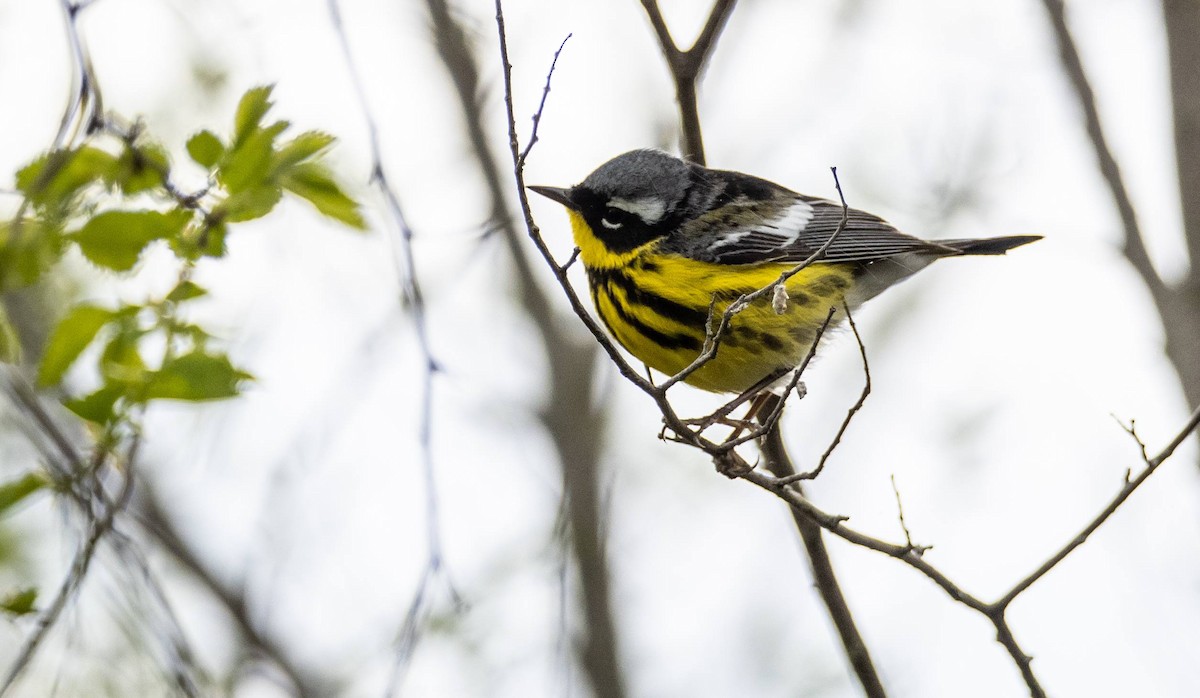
pixel 790 229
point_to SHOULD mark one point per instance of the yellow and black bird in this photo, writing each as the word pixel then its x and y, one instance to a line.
pixel 664 240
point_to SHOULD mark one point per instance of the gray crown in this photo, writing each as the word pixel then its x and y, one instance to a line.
pixel 641 173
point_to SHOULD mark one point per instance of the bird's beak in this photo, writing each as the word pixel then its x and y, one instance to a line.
pixel 562 196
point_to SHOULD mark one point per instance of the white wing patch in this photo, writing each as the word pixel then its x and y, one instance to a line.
pixel 784 228
pixel 728 239
pixel 789 224
pixel 649 208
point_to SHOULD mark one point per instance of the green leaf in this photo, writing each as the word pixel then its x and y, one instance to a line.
pixel 197 334
pixel 212 241
pixel 14 491
pixel 20 602
pixel 72 335
pixel 10 344
pixel 186 291
pixel 301 148
pixel 206 149
pixel 141 168
pixel 115 239
pixel 195 377
pixel 52 179
pixel 253 106
pixel 97 407
pixel 121 363
pixel 249 165
pixel 27 249
pixel 203 239
pixel 194 333
pixel 312 181
pixel 248 204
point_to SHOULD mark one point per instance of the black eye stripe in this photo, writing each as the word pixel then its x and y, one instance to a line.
pixel 618 229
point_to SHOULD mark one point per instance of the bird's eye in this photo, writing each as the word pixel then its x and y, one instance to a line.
pixel 612 218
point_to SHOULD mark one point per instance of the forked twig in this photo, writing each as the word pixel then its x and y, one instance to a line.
pixel 686 67
pixel 908 541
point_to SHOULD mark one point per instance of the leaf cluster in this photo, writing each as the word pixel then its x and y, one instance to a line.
pixel 113 197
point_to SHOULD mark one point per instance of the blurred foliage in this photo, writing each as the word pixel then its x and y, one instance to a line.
pixel 19 602
pixel 111 198
pixel 14 491
pixel 10 344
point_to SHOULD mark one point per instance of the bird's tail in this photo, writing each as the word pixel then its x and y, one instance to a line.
pixel 988 245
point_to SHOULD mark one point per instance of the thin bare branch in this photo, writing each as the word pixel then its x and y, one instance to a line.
pixel 73 477
pixel 1131 429
pixel 908 541
pixel 98 527
pixel 1024 662
pixel 182 667
pixel 535 233
pixel 862 398
pixel 84 108
pixel 21 394
pixel 537 115
pixel 1177 441
pixel 835 524
pixel 415 617
pixel 1135 248
pixel 779 464
pixel 435 569
pixel 154 520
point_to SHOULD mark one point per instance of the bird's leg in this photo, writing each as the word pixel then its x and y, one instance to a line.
pixel 747 419
pixel 721 414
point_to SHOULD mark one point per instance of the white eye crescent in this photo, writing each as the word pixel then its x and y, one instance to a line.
pixel 609 224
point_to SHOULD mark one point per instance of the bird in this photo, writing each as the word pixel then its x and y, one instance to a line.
pixel 667 245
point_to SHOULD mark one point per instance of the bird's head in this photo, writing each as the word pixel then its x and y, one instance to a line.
pixel 631 199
